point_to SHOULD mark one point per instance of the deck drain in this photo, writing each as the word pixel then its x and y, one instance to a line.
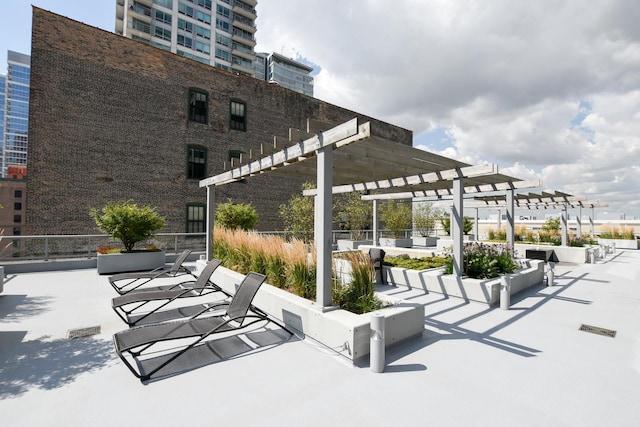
pixel 84 332
pixel 598 330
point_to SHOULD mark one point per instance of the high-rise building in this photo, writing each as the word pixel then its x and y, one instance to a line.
pixel 215 32
pixel 287 72
pixel 14 112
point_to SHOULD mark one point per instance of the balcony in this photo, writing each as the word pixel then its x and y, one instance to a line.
pixel 242 69
pixel 240 50
pixel 244 10
pixel 243 37
pixel 244 24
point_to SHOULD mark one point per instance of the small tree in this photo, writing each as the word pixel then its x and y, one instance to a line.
pixel 236 215
pixel 467 224
pixel 397 217
pixel 357 213
pixel 551 225
pixel 127 222
pixel 298 215
pixel 424 218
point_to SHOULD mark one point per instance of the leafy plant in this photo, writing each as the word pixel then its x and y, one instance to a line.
pixel 552 225
pixel 357 213
pixel 127 222
pixel 236 215
pixel 482 261
pixel 424 218
pixel 397 217
pixel 298 215
pixel 467 224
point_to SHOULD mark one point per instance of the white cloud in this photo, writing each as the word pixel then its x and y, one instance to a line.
pixel 506 80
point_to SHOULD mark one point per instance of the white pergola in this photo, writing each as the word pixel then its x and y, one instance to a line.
pixel 544 200
pixel 362 157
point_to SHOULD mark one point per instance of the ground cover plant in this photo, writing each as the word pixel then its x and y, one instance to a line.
pixel 483 261
pixel 424 263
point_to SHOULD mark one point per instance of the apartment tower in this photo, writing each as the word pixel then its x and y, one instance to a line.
pixel 215 32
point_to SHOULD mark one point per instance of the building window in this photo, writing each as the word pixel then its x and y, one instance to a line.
pixel 17 194
pixel 166 3
pixel 163 17
pixel 17 206
pixel 162 33
pixel 185 41
pixel 237 155
pixel 196 218
pixel 238 116
pixel 17 218
pixel 198 104
pixel 185 25
pixel 197 163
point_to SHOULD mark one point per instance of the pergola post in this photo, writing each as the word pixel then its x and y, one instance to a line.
pixel 563 225
pixel 375 222
pixel 476 228
pixel 211 210
pixel 322 227
pixel 591 222
pixel 456 226
pixel 510 220
pixel 579 222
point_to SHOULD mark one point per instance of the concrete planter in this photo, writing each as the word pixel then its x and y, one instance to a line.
pixel 579 255
pixel 620 243
pixel 346 332
pixel 349 245
pixel 480 290
pixel 396 243
pixel 133 261
pixel 424 241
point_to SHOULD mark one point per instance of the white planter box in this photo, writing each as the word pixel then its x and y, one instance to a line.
pixel 424 241
pixel 346 332
pixel 396 243
pixel 480 290
pixel 349 245
pixel 133 261
pixel 621 243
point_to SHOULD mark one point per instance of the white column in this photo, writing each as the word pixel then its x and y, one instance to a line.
pixel 510 219
pixel 579 222
pixel 322 228
pixel 476 227
pixel 564 230
pixel 499 219
pixel 211 210
pixel 375 222
pixel 456 226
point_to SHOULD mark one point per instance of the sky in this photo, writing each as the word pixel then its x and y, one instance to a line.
pixel 545 89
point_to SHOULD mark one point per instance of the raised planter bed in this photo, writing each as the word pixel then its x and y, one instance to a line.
pixel 578 255
pixel 338 329
pixel 620 243
pixel 396 243
pixel 131 261
pixel 424 241
pixel 480 290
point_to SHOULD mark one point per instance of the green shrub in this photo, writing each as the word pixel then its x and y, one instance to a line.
pixel 358 295
pixel 397 217
pixel 128 222
pixel 483 261
pixel 298 215
pixel 236 216
pixel 467 224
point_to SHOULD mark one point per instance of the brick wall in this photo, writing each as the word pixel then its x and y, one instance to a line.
pixel 108 120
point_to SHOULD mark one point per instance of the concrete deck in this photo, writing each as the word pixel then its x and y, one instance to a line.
pixel 528 366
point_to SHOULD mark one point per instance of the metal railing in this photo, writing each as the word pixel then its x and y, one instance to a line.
pixel 48 247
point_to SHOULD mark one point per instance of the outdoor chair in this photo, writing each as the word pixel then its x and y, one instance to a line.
pixel 377 259
pixel 141 343
pixel 135 307
pixel 133 281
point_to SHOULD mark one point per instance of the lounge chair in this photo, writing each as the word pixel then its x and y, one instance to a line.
pixel 135 307
pixel 139 343
pixel 135 280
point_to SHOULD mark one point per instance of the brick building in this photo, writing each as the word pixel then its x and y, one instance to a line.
pixel 114 119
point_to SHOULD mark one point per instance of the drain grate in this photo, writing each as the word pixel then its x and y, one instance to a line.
pixel 84 332
pixel 598 330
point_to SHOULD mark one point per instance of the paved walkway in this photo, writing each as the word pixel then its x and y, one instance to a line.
pixel 474 366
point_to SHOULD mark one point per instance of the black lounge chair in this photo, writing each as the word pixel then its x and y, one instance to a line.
pixel 377 259
pixel 139 343
pixel 133 281
pixel 135 307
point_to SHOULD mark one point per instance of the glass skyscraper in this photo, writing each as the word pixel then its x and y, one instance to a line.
pixel 14 112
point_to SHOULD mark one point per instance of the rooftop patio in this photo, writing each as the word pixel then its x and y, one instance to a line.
pixel 474 365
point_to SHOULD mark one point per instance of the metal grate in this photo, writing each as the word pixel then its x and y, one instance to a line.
pixel 84 332
pixel 598 330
